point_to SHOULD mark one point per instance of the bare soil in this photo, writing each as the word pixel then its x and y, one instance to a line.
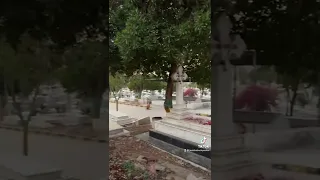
pixel 128 149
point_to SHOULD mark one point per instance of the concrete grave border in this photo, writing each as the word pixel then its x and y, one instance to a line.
pixel 55 134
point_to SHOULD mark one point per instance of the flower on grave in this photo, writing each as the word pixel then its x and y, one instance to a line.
pixel 199 120
pixel 190 92
pixel 257 98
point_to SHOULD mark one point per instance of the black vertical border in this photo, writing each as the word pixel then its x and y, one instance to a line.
pixel 107 91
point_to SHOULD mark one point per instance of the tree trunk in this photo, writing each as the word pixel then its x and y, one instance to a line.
pixel 169 88
pixel 1 108
pixel 25 125
pixel 117 105
pixel 96 105
pixel 3 101
pixel 287 101
pixel 293 99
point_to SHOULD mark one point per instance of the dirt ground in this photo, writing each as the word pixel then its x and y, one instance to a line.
pixel 132 158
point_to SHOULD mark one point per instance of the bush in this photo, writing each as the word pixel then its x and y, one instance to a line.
pixel 257 98
pixel 190 92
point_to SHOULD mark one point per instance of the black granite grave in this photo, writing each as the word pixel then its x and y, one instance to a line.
pixel 180 147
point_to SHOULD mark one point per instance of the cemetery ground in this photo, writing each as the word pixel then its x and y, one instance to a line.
pixel 82 160
pixel 132 158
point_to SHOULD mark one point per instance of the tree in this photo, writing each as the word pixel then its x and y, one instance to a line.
pixel 85 71
pixel 292 84
pixel 117 20
pixel 116 83
pixel 139 82
pixel 24 70
pixel 161 35
pixel 202 76
pixel 263 74
pixel 283 33
pixel 63 22
pixel 192 85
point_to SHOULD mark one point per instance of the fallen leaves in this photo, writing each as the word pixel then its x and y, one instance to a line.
pixel 123 149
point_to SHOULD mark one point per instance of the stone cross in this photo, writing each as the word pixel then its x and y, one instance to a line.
pixel 227 50
pixel 179 76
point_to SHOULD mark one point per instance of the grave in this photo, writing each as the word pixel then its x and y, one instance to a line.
pixel 255 121
pixel 120 118
pixel 231 159
pixel 143 121
pixel 116 130
pixel 178 136
pixel 18 167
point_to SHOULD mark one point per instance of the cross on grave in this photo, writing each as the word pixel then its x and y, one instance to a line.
pixel 228 52
pixel 179 76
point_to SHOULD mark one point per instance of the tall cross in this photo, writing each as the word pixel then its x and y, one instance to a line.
pixel 180 75
pixel 227 46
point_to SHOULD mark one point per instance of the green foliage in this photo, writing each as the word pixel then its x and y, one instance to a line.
pixel 263 74
pixel 162 33
pixel 27 67
pixel 284 33
pixel 61 21
pixel 117 20
pixel 85 69
pixel 116 83
pixel 192 85
pixel 139 82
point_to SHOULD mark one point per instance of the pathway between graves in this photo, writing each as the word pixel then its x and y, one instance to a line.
pixel 80 159
pixel 156 111
pixel 139 112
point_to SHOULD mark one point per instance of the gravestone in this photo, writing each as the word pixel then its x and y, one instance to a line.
pixel 116 130
pixel 120 117
pixel 231 158
pixel 143 121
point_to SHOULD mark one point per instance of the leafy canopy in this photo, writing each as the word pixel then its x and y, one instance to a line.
pixel 85 69
pixel 116 83
pixel 161 33
pixel 139 82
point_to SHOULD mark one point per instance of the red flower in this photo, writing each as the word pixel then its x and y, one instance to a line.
pixel 257 98
pixel 190 92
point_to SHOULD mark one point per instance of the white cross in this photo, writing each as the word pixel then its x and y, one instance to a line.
pixel 179 75
pixel 224 27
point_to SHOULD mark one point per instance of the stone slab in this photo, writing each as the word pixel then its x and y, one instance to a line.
pixel 120 118
pixel 116 130
pixel 18 167
pixel 185 130
pixel 143 121
pixel 114 126
pixel 202 105
pixel 190 156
